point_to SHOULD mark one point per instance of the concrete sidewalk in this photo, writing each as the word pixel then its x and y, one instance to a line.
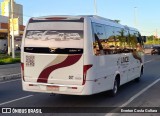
pixel 9 77
pixel 10 71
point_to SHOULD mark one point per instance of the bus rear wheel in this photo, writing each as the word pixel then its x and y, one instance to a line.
pixel 139 78
pixel 114 91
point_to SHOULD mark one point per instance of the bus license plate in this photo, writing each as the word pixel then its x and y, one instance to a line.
pixel 52 88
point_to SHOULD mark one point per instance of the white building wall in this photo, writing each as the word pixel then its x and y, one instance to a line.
pixel 3 44
pixel 3 19
pixel 18 10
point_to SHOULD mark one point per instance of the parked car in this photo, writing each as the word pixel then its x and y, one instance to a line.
pixel 155 50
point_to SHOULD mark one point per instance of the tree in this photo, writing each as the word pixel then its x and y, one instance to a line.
pixel 150 38
pixel 117 21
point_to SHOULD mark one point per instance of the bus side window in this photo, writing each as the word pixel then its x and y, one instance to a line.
pixel 132 40
pixel 110 40
pixel 99 36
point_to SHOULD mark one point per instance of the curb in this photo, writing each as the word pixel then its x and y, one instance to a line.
pixel 10 77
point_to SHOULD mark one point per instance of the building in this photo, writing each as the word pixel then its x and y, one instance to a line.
pixel 4 33
pixel 4 17
pixel 3 27
pixel 18 10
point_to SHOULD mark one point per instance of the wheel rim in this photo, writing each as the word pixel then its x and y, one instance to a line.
pixel 115 87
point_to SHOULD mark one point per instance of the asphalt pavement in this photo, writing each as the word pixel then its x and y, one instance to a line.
pixel 143 94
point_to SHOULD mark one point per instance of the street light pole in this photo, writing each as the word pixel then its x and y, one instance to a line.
pixel 95 7
pixel 12 33
pixel 9 40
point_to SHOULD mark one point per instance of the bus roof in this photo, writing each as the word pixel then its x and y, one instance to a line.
pixel 94 18
pixel 72 17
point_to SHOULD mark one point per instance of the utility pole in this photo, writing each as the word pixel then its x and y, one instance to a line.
pixel 9 40
pixel 12 33
pixel 95 7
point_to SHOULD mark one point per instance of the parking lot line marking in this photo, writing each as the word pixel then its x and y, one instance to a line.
pixel 16 100
pixel 135 96
pixel 149 61
pixel 10 81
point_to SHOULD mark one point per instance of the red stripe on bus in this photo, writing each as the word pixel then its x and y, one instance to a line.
pixel 85 69
pixel 22 69
pixel 70 60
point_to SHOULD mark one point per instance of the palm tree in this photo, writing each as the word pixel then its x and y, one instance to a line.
pixel 122 38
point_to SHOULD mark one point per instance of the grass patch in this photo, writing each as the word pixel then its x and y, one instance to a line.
pixel 152 42
pixel 6 59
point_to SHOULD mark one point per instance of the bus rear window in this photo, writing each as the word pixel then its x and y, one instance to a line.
pixel 54 34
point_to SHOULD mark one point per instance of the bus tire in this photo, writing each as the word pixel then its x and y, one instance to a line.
pixel 139 78
pixel 114 91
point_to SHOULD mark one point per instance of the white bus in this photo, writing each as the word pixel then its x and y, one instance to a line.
pixel 106 56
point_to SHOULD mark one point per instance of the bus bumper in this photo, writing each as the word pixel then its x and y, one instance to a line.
pixel 58 89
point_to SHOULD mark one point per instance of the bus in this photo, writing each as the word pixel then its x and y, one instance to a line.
pixel 105 56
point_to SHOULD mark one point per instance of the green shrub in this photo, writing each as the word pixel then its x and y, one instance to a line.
pixel 5 59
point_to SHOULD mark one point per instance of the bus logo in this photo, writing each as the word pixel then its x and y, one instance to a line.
pixel 124 59
pixel 52 50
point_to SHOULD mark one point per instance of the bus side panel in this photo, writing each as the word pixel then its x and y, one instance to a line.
pixel 135 67
pixel 105 72
pixel 104 67
pixel 88 57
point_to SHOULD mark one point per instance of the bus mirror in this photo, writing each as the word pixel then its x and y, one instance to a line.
pixel 144 39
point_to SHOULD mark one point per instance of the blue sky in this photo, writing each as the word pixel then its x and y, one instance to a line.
pixel 146 11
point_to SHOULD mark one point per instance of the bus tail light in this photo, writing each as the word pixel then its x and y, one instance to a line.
pixel 22 71
pixel 85 69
